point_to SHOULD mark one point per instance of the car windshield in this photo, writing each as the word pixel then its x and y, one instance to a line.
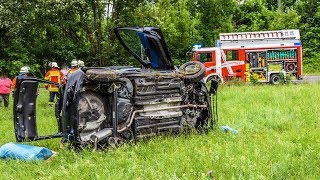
pixel 132 40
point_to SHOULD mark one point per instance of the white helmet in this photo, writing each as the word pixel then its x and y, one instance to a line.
pixel 74 63
pixel 24 70
pixel 54 64
pixel 81 63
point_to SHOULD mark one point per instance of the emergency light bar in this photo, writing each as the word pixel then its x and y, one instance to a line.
pixel 260 35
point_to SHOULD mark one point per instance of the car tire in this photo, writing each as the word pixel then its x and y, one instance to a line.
pixel 275 79
pixel 194 71
pixel 102 75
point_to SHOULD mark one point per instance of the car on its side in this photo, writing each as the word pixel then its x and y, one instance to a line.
pixel 104 106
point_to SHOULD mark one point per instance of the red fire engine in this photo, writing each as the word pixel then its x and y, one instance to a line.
pixel 262 56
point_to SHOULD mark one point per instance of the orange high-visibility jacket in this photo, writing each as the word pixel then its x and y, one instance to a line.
pixel 73 69
pixel 54 75
pixel 14 81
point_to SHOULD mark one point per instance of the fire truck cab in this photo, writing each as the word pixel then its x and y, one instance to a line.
pixel 264 56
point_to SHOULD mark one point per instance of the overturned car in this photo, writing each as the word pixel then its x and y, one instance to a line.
pixel 104 106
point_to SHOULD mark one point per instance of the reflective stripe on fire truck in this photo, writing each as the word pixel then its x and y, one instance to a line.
pixel 227 64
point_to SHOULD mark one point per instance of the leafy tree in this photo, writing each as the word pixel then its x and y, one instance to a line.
pixel 35 33
pixel 252 15
pixel 13 50
pixel 178 26
pixel 215 17
pixel 310 33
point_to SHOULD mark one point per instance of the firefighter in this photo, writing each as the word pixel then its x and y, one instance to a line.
pixel 22 73
pixel 74 67
pixel 81 63
pixel 54 75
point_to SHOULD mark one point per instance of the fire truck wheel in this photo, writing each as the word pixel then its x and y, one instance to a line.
pixel 275 79
pixel 194 71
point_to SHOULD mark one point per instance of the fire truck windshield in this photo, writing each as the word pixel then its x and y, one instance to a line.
pixel 205 57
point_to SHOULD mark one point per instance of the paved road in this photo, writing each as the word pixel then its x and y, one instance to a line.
pixel 311 79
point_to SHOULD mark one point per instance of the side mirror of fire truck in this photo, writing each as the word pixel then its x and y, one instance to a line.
pixel 213 87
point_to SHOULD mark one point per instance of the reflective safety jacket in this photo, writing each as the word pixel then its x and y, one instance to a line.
pixel 73 69
pixel 15 79
pixel 54 75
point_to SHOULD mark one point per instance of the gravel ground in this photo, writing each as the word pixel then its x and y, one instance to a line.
pixel 311 79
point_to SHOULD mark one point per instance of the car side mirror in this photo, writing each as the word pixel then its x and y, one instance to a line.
pixel 213 87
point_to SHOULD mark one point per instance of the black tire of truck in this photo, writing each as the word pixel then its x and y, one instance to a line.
pixel 194 71
pixel 275 79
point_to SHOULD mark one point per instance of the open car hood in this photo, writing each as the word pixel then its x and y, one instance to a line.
pixel 147 45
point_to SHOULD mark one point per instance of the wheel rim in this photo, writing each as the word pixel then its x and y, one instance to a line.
pixel 192 69
pixel 276 80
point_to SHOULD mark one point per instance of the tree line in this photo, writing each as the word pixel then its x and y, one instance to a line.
pixel 35 33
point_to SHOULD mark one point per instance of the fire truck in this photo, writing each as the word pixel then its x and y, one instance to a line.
pixel 264 56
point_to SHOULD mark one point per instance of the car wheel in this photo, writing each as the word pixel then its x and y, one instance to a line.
pixel 194 71
pixel 275 79
pixel 92 114
pixel 102 75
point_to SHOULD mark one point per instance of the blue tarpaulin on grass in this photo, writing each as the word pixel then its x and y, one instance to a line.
pixel 24 152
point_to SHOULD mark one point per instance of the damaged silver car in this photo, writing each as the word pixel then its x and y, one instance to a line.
pixel 105 106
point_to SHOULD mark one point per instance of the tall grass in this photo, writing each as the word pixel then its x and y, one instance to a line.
pixel 278 139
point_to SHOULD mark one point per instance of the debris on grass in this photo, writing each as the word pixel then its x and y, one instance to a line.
pixel 227 129
pixel 210 174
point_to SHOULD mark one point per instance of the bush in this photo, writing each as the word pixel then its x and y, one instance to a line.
pixel 311 64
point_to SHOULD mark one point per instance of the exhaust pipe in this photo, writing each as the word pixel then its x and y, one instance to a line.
pixel 100 135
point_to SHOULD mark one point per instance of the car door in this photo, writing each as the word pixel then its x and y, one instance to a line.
pixel 24 110
pixel 147 45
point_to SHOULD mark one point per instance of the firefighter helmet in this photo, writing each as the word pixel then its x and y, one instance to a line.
pixel 81 63
pixel 74 63
pixel 24 70
pixel 54 64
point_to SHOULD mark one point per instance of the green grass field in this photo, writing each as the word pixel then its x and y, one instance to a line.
pixel 279 138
